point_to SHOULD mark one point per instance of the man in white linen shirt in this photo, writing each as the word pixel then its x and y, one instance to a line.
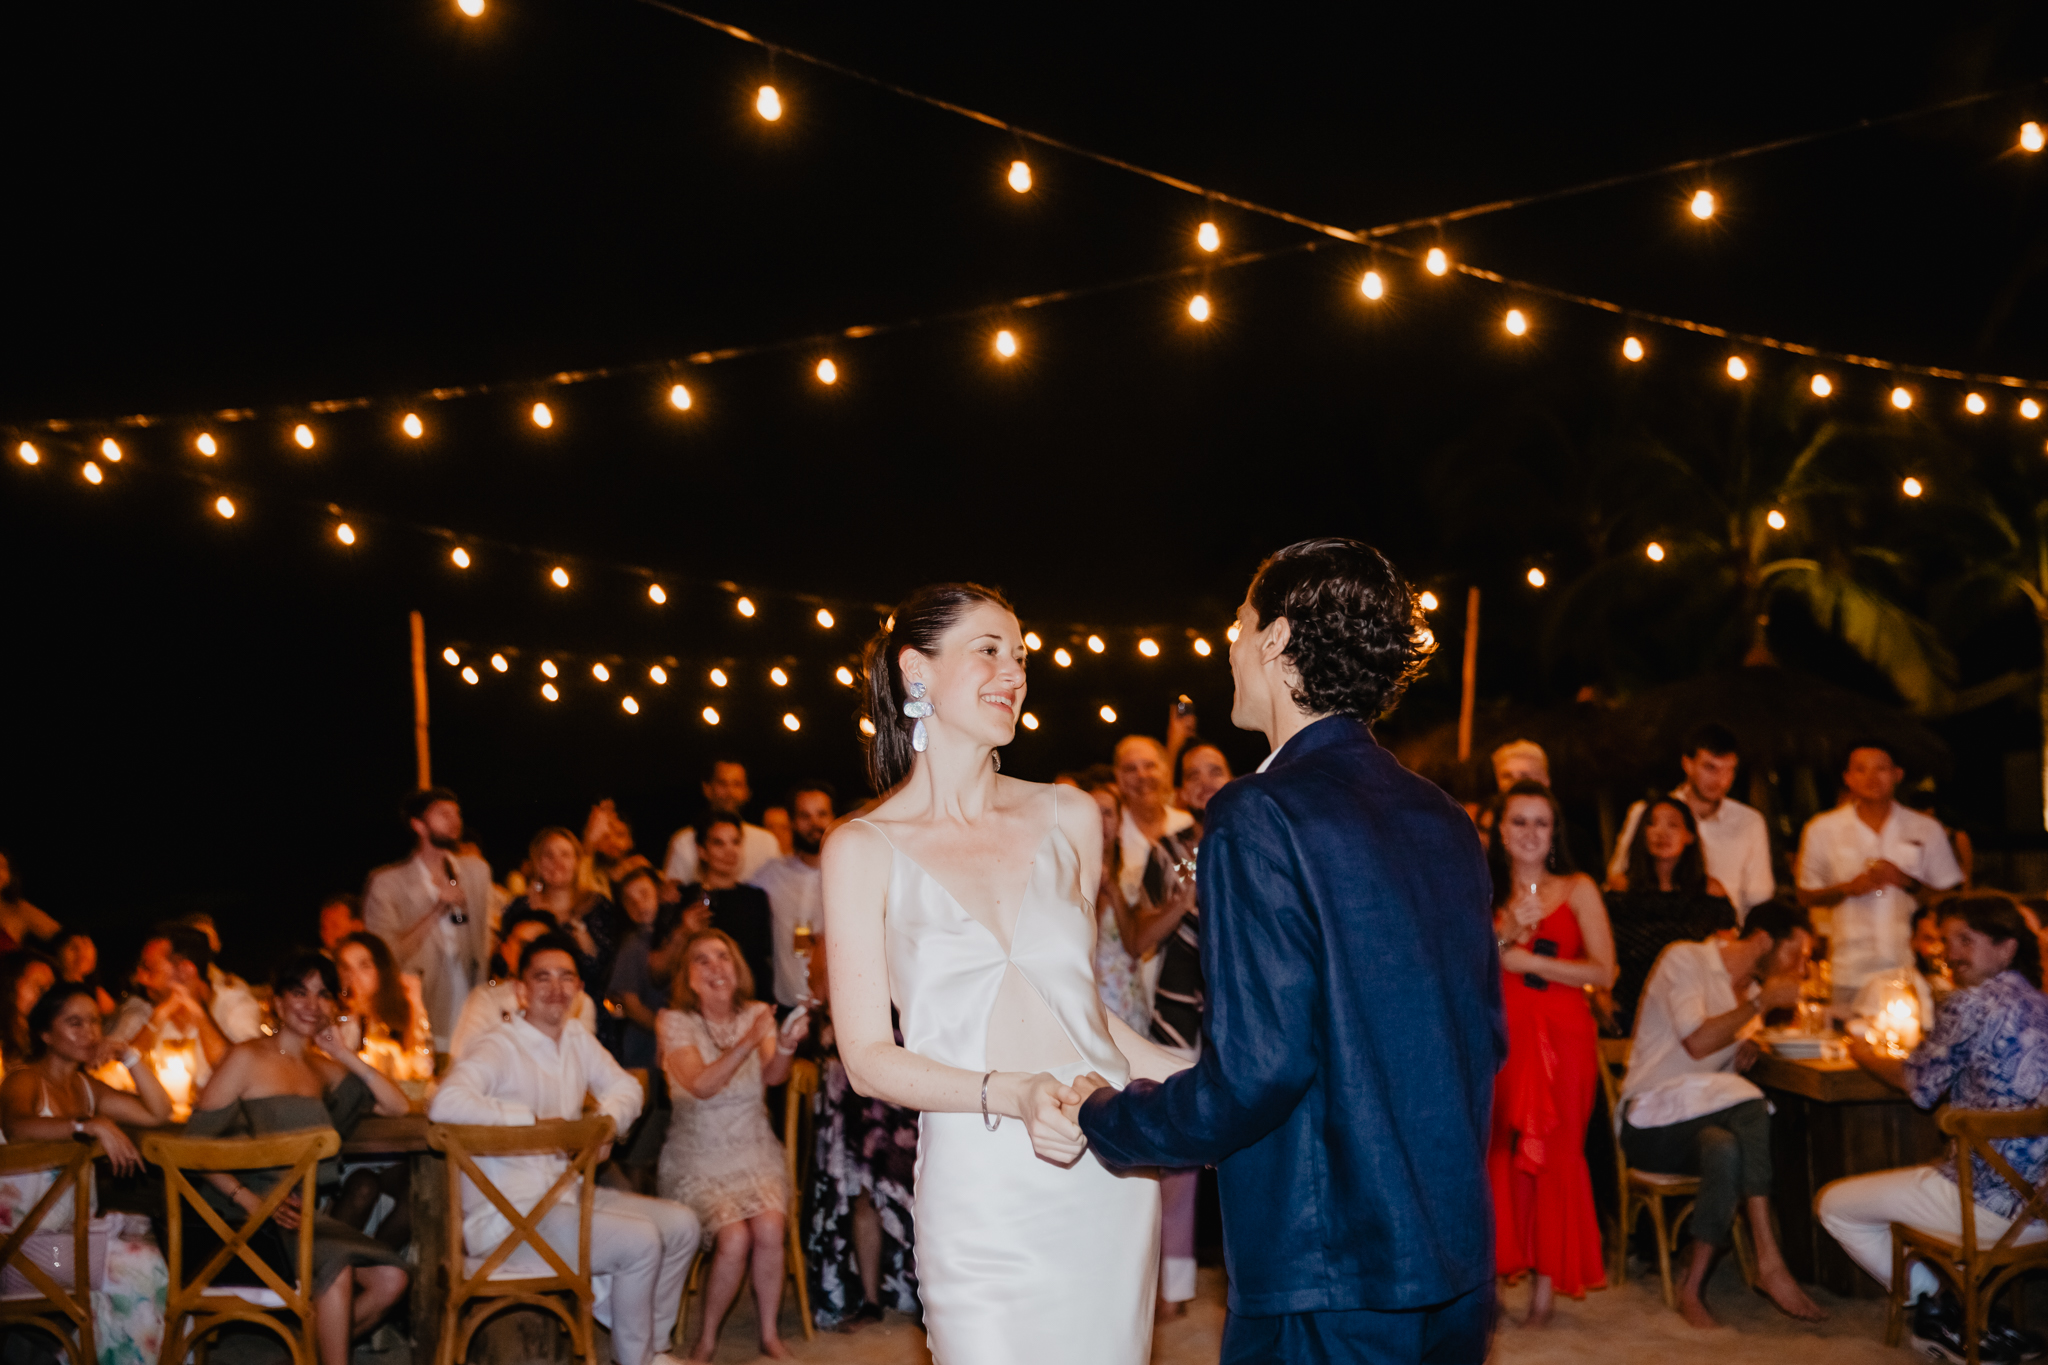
pixel 496 1003
pixel 1684 1111
pixel 1873 861
pixel 1734 840
pixel 795 888
pixel 434 909
pixel 539 1067
pixel 725 792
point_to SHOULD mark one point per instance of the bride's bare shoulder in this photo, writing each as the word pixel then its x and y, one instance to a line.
pixel 856 847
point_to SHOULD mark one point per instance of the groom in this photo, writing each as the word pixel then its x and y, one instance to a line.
pixel 1354 1012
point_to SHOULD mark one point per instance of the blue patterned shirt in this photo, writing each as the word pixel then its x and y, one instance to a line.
pixel 1988 1050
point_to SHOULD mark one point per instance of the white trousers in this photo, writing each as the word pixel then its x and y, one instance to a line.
pixel 1858 1212
pixel 646 1246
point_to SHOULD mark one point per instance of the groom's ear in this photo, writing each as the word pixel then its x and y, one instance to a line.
pixel 1273 642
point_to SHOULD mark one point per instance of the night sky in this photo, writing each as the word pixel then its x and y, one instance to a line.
pixel 259 206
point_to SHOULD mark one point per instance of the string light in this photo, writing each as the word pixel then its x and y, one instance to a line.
pixel 1775 519
pixel 867 727
pixel 92 472
pixel 559 576
pixel 1631 349
pixel 1912 487
pixel 460 556
pixel 453 658
pixel 225 506
pixel 473 8
pixel 1020 176
pixel 303 434
pixel 1536 578
pixel 499 663
pixel 844 675
pixel 1095 645
pixel 1030 721
pixel 679 398
pixel 1108 714
pixel 28 453
pixel 111 449
pixel 1516 322
pixel 1149 648
pixel 629 706
pixel 600 672
pixel 1703 204
pixel 1738 368
pixel 1198 308
pixel 1974 404
pixel 1653 550
pixel 1062 658
pixel 207 445
pixel 659 674
pixel 1031 640
pixel 1822 386
pixel 1006 343
pixel 768 104
pixel 778 677
pixel 655 594
pixel 1902 398
pixel 543 416
pixel 412 426
pixel 828 373
pixel 718 679
pixel 1436 263
pixel 1428 600
pixel 745 606
pixel 547 666
pixel 1207 237
pixel 345 533
pixel 790 722
pixel 2031 137
pixel 1202 647
pixel 710 715
pixel 548 690
pixel 1232 633
pixel 469 676
pixel 2029 409
pixel 1373 286
pixel 825 618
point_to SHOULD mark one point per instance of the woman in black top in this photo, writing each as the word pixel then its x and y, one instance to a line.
pixel 718 900
pixel 1666 896
pixel 591 921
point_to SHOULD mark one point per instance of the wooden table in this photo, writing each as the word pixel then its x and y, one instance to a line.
pixel 406 1136
pixel 1833 1119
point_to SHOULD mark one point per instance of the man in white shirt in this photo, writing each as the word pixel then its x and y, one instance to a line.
pixel 434 909
pixel 725 792
pixel 1735 843
pixel 1871 862
pixel 539 1067
pixel 496 1002
pixel 177 976
pixel 794 888
pixel 1685 1111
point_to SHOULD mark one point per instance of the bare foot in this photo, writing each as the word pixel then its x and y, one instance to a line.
pixel 1542 1299
pixel 705 1350
pixel 1172 1310
pixel 1694 1311
pixel 1785 1292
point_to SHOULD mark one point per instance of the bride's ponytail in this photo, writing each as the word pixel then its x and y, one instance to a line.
pixel 918 623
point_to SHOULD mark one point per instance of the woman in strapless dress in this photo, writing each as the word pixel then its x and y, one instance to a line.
pixel 960 898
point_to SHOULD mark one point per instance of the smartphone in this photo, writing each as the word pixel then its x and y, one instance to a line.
pixel 1184 705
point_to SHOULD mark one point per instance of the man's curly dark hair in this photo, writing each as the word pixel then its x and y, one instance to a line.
pixel 1357 636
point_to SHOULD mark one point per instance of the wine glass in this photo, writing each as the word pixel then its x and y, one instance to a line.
pixel 803 939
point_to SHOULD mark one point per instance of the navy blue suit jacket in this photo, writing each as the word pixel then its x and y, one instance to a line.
pixel 1351 1037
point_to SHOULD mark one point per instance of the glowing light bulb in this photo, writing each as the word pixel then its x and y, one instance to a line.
pixel 1095 645
pixel 303 435
pixel 1536 578
pixel 1703 204
pixel 345 533
pixel 500 663
pixel 548 690
pixel 460 557
pixel 543 415
pixel 1426 638
pixel 1902 398
pixel 1655 552
pixel 1031 640
pixel 825 618
pixel 1030 721
pixel 1436 263
pixel 451 656
pixel 28 453
pixel 867 727
pixel 1632 349
pixel 745 606
pixel 206 445
pixel 412 426
pixel 473 8
pixel 111 449
pixel 1373 285
pixel 659 674
pixel 656 594
pixel 1232 634
pixel 778 677
pixel 679 398
pixel 1108 714
pixel 469 676
pixel 790 722
pixel 768 105
pixel 1738 368
pixel 224 505
pixel 1775 519
pixel 718 678
pixel 92 472
pixel 1974 404
pixel 559 577
pixel 1006 343
pixel 2031 136
pixel 1020 176
pixel 547 666
pixel 710 715
pixel 1062 658
pixel 1516 322
pixel 1202 647
pixel 828 373
pixel 1198 308
pixel 629 706
pixel 1149 648
pixel 1912 487
pixel 1207 237
pixel 1822 386
pixel 1427 601
pixel 844 675
pixel 600 672
pixel 2029 409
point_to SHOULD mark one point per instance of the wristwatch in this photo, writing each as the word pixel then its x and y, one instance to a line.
pixel 78 1128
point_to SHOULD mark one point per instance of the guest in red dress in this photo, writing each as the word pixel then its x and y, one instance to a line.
pixel 1555 942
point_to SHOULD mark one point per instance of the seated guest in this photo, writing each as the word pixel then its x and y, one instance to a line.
pixel 720 1052
pixel 588 917
pixel 303 1077
pixel 1520 760
pixel 496 1002
pixel 1685 1111
pixel 718 900
pixel 793 886
pixel 1734 842
pixel 52 1099
pixel 177 972
pixel 639 993
pixel 78 964
pixel 540 1066
pixel 387 1022
pixel 340 915
pixel 1930 951
pixel 24 976
pixel 726 792
pixel 20 922
pixel 1663 895
pixel 1988 1049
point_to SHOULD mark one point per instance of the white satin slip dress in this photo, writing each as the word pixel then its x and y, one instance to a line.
pixel 1018 1260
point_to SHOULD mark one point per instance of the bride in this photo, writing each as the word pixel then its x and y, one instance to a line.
pixel 960 898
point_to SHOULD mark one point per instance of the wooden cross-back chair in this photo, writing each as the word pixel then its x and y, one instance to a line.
pixel 65 1314
pixel 476 1295
pixel 195 1297
pixel 1976 1272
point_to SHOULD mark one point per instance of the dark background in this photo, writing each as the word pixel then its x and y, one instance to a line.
pixel 243 205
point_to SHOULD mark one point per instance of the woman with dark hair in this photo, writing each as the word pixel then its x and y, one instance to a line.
pixel 78 964
pixel 967 894
pixel 588 917
pixel 1554 939
pixel 24 976
pixel 718 899
pixel 386 1021
pixel 305 1076
pixel 52 1099
pixel 1665 897
pixel 20 922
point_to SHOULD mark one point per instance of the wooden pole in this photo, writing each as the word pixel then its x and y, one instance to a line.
pixel 419 699
pixel 1471 674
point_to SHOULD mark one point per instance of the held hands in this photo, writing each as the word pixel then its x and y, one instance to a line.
pixel 1045 1107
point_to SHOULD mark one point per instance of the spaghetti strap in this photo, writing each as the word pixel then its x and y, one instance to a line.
pixel 863 820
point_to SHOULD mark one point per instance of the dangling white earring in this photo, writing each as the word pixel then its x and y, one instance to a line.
pixel 917 708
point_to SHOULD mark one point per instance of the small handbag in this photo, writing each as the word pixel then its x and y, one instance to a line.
pixel 54 1252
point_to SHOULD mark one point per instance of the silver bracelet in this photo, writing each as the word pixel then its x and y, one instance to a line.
pixel 986 1121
